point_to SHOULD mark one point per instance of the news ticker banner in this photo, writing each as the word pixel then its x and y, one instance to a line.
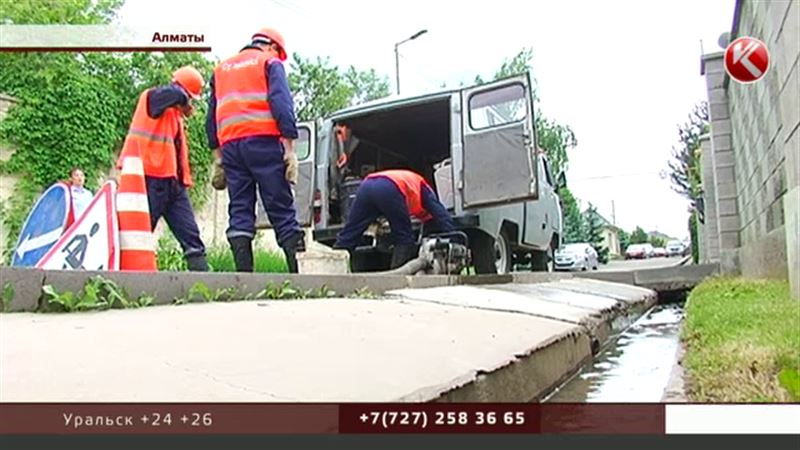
pixel 404 418
pixel 103 38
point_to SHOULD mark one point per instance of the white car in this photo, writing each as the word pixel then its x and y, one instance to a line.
pixel 675 248
pixel 576 257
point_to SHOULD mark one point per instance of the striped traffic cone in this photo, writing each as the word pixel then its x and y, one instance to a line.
pixel 136 240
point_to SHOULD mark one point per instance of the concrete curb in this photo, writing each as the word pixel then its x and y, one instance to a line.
pixel 165 287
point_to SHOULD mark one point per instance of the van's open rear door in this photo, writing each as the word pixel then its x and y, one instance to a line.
pixel 304 190
pixel 499 161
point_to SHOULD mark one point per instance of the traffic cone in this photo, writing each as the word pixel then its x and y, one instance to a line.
pixel 136 240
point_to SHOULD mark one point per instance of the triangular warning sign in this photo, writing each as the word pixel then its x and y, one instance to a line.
pixel 92 242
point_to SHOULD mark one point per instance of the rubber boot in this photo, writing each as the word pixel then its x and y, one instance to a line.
pixel 242 250
pixel 402 254
pixel 291 247
pixel 197 263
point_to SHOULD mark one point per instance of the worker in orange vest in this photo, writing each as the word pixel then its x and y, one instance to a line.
pixel 251 125
pixel 158 132
pixel 396 195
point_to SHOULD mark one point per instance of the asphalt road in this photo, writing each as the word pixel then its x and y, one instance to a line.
pixel 633 264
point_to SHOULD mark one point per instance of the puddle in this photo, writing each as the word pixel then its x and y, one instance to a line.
pixel 635 367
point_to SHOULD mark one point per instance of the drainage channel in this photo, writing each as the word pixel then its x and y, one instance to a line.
pixel 635 365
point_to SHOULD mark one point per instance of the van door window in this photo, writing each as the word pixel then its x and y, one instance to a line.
pixel 547 174
pixel 497 107
pixel 302 145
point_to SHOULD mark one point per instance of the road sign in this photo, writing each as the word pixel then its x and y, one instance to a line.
pixel 746 59
pixel 92 242
pixel 44 225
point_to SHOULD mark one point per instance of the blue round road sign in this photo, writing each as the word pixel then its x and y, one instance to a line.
pixel 45 224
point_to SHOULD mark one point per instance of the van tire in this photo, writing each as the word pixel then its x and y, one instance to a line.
pixel 484 253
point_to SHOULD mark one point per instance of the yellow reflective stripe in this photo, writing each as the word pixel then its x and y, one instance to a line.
pixel 241 96
pixel 151 136
pixel 244 117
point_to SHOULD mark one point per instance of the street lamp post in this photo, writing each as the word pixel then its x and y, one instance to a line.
pixel 397 56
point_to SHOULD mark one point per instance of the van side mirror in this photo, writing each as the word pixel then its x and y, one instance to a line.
pixel 561 181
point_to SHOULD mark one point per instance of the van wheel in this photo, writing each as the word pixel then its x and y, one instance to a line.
pixel 491 256
pixel 543 261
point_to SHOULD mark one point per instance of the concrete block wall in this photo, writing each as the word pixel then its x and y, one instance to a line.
pixel 756 145
pixel 723 176
pixel 708 232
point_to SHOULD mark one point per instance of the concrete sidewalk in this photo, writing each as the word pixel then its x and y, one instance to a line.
pixel 463 343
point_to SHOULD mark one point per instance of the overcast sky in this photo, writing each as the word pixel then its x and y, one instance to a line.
pixel 622 74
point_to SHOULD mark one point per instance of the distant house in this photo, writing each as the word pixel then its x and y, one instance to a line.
pixel 610 235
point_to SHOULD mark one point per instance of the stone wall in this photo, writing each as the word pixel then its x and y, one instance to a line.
pixel 755 148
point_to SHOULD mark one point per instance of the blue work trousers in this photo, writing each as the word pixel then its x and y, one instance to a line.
pixel 168 198
pixel 377 197
pixel 257 163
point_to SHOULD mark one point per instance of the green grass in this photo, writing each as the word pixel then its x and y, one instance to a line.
pixel 169 257
pixel 220 259
pixel 742 341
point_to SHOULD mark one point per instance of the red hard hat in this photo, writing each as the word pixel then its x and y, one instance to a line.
pixel 272 35
pixel 189 79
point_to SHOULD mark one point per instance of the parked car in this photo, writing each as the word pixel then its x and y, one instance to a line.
pixel 675 248
pixel 576 257
pixel 639 251
pixel 476 147
pixel 659 252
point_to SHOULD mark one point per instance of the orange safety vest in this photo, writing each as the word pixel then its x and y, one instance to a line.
pixel 155 141
pixel 241 88
pixel 410 184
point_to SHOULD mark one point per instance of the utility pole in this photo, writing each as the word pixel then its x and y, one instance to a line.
pixel 397 57
pixel 613 214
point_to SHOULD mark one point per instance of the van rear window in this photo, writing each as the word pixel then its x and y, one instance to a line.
pixel 499 106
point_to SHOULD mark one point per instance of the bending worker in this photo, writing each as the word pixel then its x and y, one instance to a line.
pixel 251 117
pixel 158 130
pixel 396 195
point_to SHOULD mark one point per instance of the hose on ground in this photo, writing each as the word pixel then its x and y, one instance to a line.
pixel 410 268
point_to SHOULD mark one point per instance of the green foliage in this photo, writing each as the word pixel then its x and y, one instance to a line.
pixel 98 293
pixel 574 223
pixel 639 236
pixel 693 230
pixel 74 108
pixel 169 256
pixel 658 241
pixel 220 259
pixel 554 138
pixel 287 291
pixel 200 291
pixel 594 233
pixel 363 293
pixel 624 240
pixel 684 168
pixel 7 296
pixel 320 88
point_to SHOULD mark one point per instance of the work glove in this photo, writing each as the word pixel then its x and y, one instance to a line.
pixel 290 158
pixel 218 178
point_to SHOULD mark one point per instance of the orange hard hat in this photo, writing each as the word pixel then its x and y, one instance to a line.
pixel 190 80
pixel 271 35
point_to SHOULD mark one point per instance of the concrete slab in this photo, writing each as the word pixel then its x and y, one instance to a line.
pixel 675 278
pixel 498 300
pixel 285 351
pixel 552 292
pixel 625 277
pixel 26 285
pixel 622 292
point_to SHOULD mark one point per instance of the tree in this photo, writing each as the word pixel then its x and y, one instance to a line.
pixel 684 168
pixel 639 236
pixel 624 240
pixel 594 233
pixel 574 226
pixel 320 88
pixel 554 138
pixel 657 241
